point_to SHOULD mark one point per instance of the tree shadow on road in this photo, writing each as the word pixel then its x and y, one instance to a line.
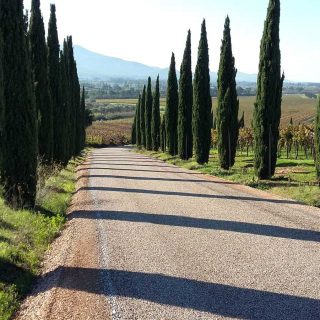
pixel 152 179
pixel 188 194
pixel 214 298
pixel 133 170
pixel 198 223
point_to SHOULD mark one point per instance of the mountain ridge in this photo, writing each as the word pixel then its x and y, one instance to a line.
pixel 95 66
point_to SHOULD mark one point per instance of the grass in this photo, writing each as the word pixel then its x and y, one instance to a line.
pixel 301 108
pixel 26 235
pixel 296 178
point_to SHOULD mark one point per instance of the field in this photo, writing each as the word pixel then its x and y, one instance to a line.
pixel 299 107
pixel 109 133
pixel 294 178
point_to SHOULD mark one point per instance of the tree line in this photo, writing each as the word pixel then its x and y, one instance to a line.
pixel 42 111
pixel 185 128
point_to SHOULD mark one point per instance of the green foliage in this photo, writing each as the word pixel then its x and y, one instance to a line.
pixel 155 125
pixel 75 90
pixel 65 108
pixel 148 116
pixel 39 63
pixel 267 110
pixel 138 127
pixel 241 121
pixel 27 236
pixel 82 120
pixel 163 138
pixel 228 104
pixel 59 145
pixel 171 115
pixel 134 128
pixel 202 102
pixel 317 141
pixel 19 143
pixel 185 144
pixel 143 118
pixel 2 102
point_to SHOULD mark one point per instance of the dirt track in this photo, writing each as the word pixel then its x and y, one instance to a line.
pixel 147 240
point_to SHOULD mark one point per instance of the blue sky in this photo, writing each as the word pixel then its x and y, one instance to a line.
pixel 148 31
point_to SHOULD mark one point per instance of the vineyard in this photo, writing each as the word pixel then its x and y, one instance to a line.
pixel 109 133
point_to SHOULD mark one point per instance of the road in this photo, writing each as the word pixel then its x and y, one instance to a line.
pixel 147 240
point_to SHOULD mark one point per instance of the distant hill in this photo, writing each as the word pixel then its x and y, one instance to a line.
pixel 92 66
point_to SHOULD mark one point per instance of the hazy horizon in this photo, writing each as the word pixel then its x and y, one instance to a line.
pixel 148 31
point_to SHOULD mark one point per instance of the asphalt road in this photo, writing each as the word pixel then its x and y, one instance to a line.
pixel 148 240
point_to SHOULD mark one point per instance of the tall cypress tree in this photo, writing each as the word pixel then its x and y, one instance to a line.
pixel 317 141
pixel 185 144
pixel 20 138
pixel 202 103
pixel 228 103
pixel 2 105
pixel 163 138
pixel 143 117
pixel 172 109
pixel 134 128
pixel 55 89
pixel 65 103
pixel 39 59
pixel 75 99
pixel 267 109
pixel 83 119
pixel 148 115
pixel 155 125
pixel 138 128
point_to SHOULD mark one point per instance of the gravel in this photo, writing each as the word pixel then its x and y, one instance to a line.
pixel 147 240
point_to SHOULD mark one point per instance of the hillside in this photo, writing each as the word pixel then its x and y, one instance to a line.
pixel 92 66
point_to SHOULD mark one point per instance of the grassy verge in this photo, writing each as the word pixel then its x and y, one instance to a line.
pixel 26 235
pixel 294 178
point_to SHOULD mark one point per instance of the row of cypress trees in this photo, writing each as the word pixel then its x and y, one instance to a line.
pixel 146 124
pixel 186 126
pixel 41 115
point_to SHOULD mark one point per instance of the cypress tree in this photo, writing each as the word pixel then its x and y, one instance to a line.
pixel 241 121
pixel 148 115
pixel 228 103
pixel 267 109
pixel 39 59
pixel 55 89
pixel 163 138
pixel 138 128
pixel 65 104
pixel 2 105
pixel 143 117
pixel 202 103
pixel 75 100
pixel 83 119
pixel 185 104
pixel 317 141
pixel 172 109
pixel 20 138
pixel 133 129
pixel 155 125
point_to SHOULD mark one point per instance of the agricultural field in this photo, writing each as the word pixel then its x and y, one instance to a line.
pixel 298 106
pixel 109 133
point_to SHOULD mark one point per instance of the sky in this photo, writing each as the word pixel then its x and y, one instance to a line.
pixel 147 31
